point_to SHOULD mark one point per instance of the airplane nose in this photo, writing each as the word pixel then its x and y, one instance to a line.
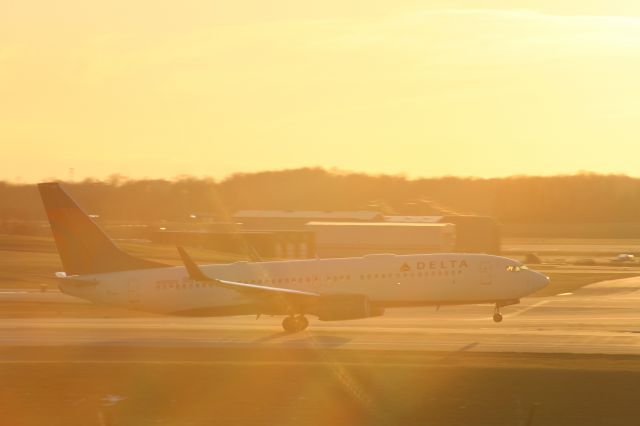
pixel 539 281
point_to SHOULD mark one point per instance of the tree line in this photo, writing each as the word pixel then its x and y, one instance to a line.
pixel 581 198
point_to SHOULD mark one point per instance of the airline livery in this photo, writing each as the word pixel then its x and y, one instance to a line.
pixel 330 289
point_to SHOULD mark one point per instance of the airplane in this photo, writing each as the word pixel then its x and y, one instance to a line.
pixel 95 269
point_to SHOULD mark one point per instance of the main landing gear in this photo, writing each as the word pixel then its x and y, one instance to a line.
pixel 497 316
pixel 294 324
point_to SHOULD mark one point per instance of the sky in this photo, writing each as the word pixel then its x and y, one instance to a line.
pixel 420 88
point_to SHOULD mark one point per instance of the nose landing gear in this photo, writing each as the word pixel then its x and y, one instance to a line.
pixel 294 324
pixel 497 316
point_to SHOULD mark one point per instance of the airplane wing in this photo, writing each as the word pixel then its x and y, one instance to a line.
pixel 196 274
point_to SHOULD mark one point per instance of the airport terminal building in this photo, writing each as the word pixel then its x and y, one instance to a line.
pixel 288 234
pixel 356 233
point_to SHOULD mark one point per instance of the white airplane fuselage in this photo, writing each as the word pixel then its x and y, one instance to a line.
pixel 387 280
pixel 95 269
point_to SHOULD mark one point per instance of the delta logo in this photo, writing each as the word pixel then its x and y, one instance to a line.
pixel 435 264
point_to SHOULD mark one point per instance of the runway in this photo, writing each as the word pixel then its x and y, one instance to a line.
pixel 551 357
pixel 602 318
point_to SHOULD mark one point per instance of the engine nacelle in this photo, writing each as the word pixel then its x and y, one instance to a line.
pixel 337 307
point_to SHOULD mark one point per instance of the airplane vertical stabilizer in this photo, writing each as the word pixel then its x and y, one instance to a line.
pixel 83 247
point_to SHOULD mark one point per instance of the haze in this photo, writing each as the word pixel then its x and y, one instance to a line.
pixel 208 88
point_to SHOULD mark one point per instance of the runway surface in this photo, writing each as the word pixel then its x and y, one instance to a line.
pixel 601 318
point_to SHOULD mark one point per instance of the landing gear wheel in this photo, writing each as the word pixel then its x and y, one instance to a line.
pixel 289 324
pixel 302 323
pixel 497 316
pixel 295 324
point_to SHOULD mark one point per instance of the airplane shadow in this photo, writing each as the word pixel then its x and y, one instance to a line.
pixel 320 341
pixel 271 337
pixel 306 340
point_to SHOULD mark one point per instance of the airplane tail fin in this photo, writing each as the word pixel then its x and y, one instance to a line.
pixel 83 247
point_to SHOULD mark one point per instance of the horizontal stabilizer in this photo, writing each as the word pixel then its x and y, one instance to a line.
pixel 196 274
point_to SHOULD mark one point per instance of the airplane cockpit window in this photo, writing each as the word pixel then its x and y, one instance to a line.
pixel 516 268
